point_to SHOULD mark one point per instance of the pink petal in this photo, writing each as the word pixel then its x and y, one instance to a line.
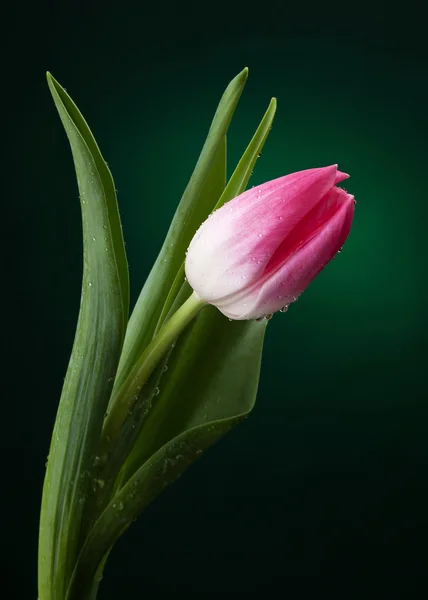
pixel 232 248
pixel 283 284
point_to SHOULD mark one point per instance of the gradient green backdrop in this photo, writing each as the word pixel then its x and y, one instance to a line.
pixel 328 478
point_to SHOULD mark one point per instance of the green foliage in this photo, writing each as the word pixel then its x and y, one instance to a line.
pixel 199 386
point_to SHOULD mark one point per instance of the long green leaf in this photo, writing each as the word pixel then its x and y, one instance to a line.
pixel 209 387
pixel 241 175
pixel 94 358
pixel 235 186
pixel 197 202
pixel 232 355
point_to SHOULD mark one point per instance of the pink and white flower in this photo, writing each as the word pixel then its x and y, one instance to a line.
pixel 257 253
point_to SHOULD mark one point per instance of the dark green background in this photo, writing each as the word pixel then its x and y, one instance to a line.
pixel 328 479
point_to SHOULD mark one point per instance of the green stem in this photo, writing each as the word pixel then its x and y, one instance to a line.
pixel 130 389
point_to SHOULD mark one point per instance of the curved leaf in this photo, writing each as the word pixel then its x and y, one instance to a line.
pixel 210 385
pixel 243 171
pixel 185 421
pixel 235 186
pixel 94 358
pixel 202 192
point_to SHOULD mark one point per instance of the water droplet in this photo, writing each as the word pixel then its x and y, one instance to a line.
pixel 230 320
pixel 260 235
pixel 165 368
pixel 284 309
pixel 156 392
pixel 97 483
pixel 120 505
pixel 97 461
pixel 93 239
pixel 269 316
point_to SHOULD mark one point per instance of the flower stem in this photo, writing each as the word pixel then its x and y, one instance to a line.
pixel 129 391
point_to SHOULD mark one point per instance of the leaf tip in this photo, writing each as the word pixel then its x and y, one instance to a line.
pixel 52 83
pixel 242 76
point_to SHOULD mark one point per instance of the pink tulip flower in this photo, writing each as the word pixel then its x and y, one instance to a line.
pixel 257 253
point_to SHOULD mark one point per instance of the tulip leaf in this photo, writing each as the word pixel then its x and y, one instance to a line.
pixel 200 196
pixel 94 358
pixel 242 173
pixel 140 412
pixel 236 185
pixel 210 387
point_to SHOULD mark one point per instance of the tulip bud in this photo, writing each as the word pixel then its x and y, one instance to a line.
pixel 257 253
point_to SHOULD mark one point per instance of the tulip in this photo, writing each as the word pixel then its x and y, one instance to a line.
pixel 257 253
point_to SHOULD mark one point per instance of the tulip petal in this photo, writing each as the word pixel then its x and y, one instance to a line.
pixel 286 279
pixel 233 246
